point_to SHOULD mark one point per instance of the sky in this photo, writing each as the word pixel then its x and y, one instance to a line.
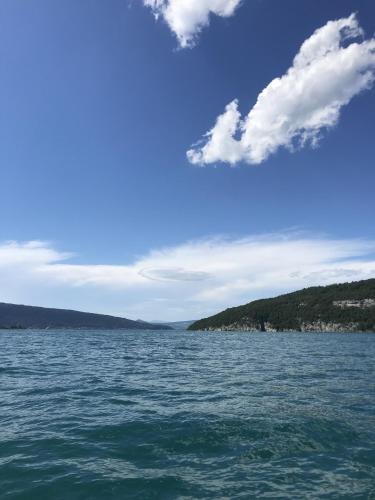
pixel 166 159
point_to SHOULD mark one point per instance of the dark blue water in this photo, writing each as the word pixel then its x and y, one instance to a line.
pixel 102 415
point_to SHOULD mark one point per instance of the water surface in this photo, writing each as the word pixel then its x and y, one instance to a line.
pixel 149 415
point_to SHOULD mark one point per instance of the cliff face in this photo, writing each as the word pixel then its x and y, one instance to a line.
pixel 348 307
pixel 317 326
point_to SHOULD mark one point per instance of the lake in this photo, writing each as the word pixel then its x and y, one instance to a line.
pixel 149 415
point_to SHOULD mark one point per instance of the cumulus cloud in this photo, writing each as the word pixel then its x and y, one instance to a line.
pixel 186 18
pixel 186 281
pixel 331 67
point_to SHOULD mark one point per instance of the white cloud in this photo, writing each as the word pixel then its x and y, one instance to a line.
pixel 187 281
pixel 186 18
pixel 294 110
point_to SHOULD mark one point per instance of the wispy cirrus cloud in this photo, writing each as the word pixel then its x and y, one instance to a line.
pixel 186 18
pixel 332 66
pixel 173 274
pixel 190 280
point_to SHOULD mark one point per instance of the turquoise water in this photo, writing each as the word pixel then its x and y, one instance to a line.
pixel 102 415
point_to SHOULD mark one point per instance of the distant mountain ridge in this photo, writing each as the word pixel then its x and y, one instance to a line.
pixel 21 316
pixel 347 307
pixel 177 325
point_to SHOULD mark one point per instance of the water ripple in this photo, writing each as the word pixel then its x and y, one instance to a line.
pixel 149 415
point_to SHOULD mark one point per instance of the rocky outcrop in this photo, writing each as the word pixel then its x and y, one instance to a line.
pixel 360 304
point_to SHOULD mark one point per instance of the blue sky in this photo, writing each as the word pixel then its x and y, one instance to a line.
pixel 99 105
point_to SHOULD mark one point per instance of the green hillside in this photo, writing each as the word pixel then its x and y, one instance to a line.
pixel 344 307
pixel 14 316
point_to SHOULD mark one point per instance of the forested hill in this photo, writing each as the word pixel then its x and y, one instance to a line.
pixel 343 307
pixel 19 316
